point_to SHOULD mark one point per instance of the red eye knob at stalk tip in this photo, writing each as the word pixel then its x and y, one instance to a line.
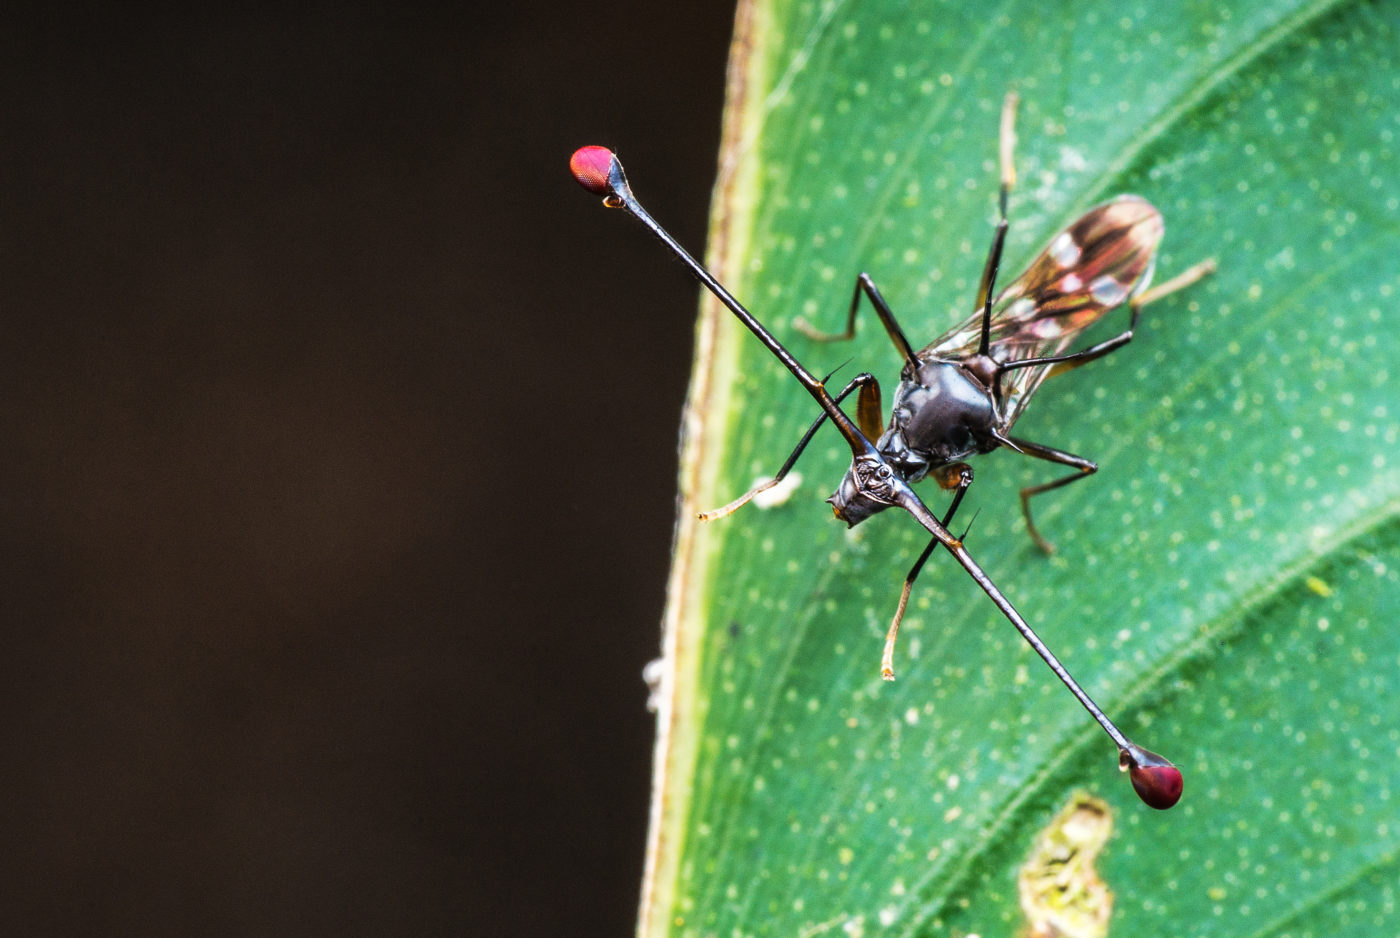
pixel 592 167
pixel 1159 786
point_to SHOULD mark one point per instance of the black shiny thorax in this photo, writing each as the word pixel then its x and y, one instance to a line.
pixel 942 412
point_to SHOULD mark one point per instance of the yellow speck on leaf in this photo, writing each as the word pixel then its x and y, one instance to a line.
pixel 1318 586
pixel 1061 892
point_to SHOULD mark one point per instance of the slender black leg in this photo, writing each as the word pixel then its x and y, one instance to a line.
pixel 989 280
pixel 861 381
pixel 1073 360
pixel 865 286
pixel 1061 363
pixel 1049 454
pixel 964 479
pixel 985 290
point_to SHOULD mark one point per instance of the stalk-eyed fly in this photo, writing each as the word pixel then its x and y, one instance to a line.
pixel 960 395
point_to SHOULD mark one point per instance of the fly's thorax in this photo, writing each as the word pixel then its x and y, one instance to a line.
pixel 943 412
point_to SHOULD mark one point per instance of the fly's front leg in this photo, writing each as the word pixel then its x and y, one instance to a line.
pixel 865 286
pixel 867 403
pixel 957 476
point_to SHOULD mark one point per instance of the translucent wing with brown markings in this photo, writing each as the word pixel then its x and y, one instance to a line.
pixel 1096 264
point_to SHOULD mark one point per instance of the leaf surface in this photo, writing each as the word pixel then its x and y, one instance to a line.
pixel 1226 585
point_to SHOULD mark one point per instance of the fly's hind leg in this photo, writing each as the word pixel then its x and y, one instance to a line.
pixel 1063 363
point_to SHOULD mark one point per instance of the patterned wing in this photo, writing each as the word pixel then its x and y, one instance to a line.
pixel 1091 267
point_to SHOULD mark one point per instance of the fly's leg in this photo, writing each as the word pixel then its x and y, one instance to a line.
pixel 1074 360
pixel 1008 180
pixel 868 403
pixel 1063 363
pixel 864 286
pixel 957 476
pixel 1050 454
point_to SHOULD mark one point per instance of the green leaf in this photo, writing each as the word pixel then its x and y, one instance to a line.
pixel 1225 586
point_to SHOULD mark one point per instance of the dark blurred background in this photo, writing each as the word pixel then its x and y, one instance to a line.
pixel 337 462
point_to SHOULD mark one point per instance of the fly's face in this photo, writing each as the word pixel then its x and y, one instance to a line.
pixel 868 488
pixel 942 414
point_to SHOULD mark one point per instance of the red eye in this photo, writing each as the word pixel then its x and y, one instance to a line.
pixel 592 166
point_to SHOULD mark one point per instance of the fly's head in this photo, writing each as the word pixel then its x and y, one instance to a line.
pixel 943 413
pixel 867 489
